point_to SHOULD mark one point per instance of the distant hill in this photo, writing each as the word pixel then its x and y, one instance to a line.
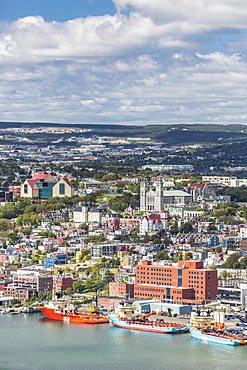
pixel 168 134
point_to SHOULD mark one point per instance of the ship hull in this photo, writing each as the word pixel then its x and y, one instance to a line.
pixel 152 327
pixel 197 334
pixel 81 318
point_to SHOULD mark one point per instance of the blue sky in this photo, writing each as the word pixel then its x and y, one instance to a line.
pixel 123 61
pixel 50 10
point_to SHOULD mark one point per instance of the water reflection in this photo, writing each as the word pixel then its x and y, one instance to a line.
pixel 39 343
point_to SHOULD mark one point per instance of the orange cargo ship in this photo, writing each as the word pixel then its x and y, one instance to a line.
pixel 71 315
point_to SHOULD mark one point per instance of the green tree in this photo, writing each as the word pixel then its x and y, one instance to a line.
pixel 5 224
pixel 95 239
pixel 174 228
pixel 162 255
pixel 79 286
pixel 186 227
pixel 232 261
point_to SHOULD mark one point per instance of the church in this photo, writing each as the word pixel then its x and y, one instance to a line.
pixel 155 198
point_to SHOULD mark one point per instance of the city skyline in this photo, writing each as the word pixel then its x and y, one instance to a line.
pixel 126 61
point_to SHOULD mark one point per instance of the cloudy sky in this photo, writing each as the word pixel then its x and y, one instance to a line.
pixel 123 61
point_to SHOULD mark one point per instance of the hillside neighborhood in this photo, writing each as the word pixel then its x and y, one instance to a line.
pixel 178 238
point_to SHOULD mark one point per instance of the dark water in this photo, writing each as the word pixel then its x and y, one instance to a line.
pixel 30 342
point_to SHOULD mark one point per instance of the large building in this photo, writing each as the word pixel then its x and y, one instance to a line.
pixel 234 295
pixel 168 167
pixel 155 198
pixel 103 250
pixel 186 283
pixel 44 186
pixel 30 279
pixel 84 214
pixel 226 180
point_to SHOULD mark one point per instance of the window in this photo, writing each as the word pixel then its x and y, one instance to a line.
pixel 61 189
pixel 25 189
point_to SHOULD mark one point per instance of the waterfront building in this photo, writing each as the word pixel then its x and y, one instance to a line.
pixel 157 306
pixel 186 283
pixel 117 289
pixel 235 296
pixel 62 282
pixel 22 294
pixel 34 280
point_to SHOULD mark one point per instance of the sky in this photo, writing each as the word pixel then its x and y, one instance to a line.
pixel 136 62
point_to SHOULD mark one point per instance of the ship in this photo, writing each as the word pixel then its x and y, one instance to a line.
pixel 212 329
pixel 126 318
pixel 220 337
pixel 68 313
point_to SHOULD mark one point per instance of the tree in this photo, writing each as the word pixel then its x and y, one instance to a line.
pixel 162 255
pixel 108 277
pixel 212 227
pixel 95 239
pixel 110 177
pixel 27 230
pixel 174 228
pixel 232 261
pixel 186 227
pixel 79 286
pixel 5 225
pixel 69 291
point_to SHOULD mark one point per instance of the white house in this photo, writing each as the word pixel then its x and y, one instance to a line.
pixel 154 223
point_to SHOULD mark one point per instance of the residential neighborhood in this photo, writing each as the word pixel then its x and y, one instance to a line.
pixel 144 236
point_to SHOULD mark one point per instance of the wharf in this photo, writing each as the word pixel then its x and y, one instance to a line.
pixel 185 320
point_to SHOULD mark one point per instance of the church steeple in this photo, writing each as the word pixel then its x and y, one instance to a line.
pixel 143 195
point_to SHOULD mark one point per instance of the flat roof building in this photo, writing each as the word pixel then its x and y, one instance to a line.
pixel 186 283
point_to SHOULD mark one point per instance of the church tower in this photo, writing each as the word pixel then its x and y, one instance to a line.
pixel 143 195
pixel 159 206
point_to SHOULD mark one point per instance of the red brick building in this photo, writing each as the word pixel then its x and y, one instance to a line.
pixel 61 283
pixel 121 290
pixel 22 294
pixel 186 283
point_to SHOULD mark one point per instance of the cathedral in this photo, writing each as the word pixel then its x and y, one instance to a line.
pixel 155 198
pixel 151 198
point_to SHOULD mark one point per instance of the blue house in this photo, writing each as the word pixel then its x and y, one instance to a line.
pixel 56 258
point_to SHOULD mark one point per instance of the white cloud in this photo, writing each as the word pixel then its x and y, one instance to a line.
pixel 202 13
pixel 151 64
pixel 157 23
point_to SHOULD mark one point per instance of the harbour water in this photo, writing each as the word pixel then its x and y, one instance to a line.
pixel 30 342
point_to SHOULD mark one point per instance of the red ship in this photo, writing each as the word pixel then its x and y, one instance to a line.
pixel 68 314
